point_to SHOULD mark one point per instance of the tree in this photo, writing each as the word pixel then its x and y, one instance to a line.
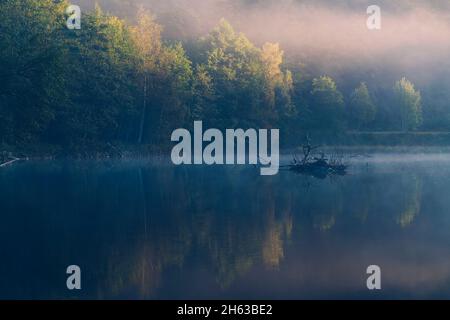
pixel 232 62
pixel 165 76
pixel 203 95
pixel 249 86
pixel 32 68
pixel 279 85
pixel 147 40
pixel 272 58
pixel 102 87
pixel 436 115
pixel 173 91
pixel 327 104
pixel 408 102
pixel 362 109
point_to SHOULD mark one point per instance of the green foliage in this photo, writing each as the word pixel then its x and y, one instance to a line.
pixel 409 104
pixel 116 82
pixel 436 107
pixel 245 84
pixel 173 89
pixel 101 84
pixel 84 88
pixel 232 63
pixel 362 108
pixel 31 68
pixel 327 104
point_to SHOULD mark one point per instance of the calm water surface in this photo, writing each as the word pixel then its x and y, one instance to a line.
pixel 148 230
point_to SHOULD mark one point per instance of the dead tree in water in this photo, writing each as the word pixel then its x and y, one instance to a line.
pixel 308 148
pixel 319 167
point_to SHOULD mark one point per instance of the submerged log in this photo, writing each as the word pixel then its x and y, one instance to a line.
pixel 7 163
pixel 7 159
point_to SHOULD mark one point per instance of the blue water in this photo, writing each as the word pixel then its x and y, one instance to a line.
pixel 149 230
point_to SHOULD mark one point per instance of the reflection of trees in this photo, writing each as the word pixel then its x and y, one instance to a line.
pixel 272 246
pixel 139 223
pixel 382 198
pixel 360 198
pixel 323 203
pixel 410 200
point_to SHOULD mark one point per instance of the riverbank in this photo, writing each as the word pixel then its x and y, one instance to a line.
pixel 394 138
pixel 99 152
pixel 349 143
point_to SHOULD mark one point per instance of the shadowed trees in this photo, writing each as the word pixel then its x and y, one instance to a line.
pixel 31 68
pixel 327 105
pixel 362 108
pixel 119 83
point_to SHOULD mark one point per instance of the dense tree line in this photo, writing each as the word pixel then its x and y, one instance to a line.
pixel 114 82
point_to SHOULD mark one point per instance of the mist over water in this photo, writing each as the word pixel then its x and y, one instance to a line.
pixel 147 230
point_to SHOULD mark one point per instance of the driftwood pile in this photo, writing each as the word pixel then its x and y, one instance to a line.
pixel 317 164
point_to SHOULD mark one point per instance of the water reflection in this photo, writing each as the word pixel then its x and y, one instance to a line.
pixel 148 230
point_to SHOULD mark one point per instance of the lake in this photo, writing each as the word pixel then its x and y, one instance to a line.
pixel 144 229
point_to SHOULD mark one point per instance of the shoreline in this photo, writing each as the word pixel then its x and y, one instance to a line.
pixel 145 153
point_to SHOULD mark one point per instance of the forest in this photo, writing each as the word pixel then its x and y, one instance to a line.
pixel 124 79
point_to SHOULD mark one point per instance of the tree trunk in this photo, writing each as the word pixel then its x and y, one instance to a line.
pixel 144 111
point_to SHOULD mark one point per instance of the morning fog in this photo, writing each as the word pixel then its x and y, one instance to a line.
pixel 211 148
